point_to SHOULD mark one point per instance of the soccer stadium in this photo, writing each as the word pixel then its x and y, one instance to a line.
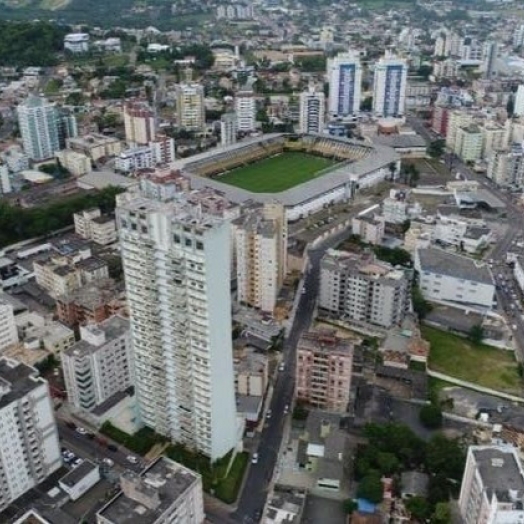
pixel 303 172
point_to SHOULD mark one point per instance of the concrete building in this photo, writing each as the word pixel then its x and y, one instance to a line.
pixel 493 139
pixel 165 493
pixel 518 272
pixel 363 289
pixel 251 373
pixel 80 479
pixel 489 59
pixel 76 42
pixel 261 248
pixel 8 331
pixel 492 489
pixel 457 119
pixel 518 108
pixel 506 167
pixel 446 277
pixel 134 158
pixel 246 107
pixel 345 78
pixel 389 87
pixel 5 181
pixel 95 146
pixel 323 372
pixel 312 106
pixel 228 129
pixel 369 228
pixel 190 106
pixel 139 123
pixel 468 144
pixel 28 432
pixel 99 365
pixel 92 225
pixel 176 262
pixel 77 164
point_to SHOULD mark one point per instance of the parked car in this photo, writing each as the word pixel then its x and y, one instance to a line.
pixel 132 459
pixel 254 458
pixel 108 462
pixel 81 430
pixel 112 447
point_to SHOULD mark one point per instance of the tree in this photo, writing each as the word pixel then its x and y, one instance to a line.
pixel 366 104
pixel 392 166
pixel 431 416
pixel 387 463
pixel 395 256
pixel 442 513
pixel 420 305
pixel 419 508
pixel 445 456
pixel 476 334
pixel 510 106
pixel 436 148
pixel 350 506
pixel 370 488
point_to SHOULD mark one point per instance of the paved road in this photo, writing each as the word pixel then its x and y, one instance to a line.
pixel 255 490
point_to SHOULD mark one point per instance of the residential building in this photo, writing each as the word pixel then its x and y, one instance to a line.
pixel 91 304
pixel 447 277
pixel 176 260
pixel 251 372
pixel 468 145
pixel 5 180
pixel 345 78
pixel 492 489
pixel 323 372
pixel 99 365
pixel 163 149
pixel 396 208
pixel 518 36
pixel 518 107
pixel 457 119
pixel 448 43
pixel 228 129
pixel 80 479
pixel 190 106
pixel 261 247
pixel 506 167
pixel 246 107
pixel 518 272
pixel 139 123
pixel 312 104
pixel 95 146
pixel 92 225
pixel 489 59
pixel 8 331
pixel 389 88
pixel 28 432
pixel 76 42
pixel 284 505
pixel 363 289
pixel 134 158
pixel 165 493
pixel 493 138
pixel 77 164
pixel 369 228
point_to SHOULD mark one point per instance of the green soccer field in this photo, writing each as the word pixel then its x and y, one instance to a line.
pixel 278 173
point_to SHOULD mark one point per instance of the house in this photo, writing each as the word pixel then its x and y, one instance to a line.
pixel 414 484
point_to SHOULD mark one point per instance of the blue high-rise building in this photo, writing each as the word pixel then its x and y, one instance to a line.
pixel 345 76
pixel 389 88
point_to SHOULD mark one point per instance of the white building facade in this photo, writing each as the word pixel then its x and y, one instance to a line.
pixel 389 89
pixel 312 108
pixel 246 108
pixel 345 78
pixel 8 331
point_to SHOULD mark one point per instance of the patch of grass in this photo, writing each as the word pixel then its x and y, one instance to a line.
pixel 141 442
pixel 480 364
pixel 227 489
pixel 116 60
pixel 277 173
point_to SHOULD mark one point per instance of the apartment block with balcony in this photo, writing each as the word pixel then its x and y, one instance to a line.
pixel 363 289
pixel 95 146
pixel 176 262
pixel 323 372
pixel 92 225
pixel 99 365
pixel 492 489
pixel 8 331
pixel 28 432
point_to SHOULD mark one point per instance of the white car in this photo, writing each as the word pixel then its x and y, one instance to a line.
pixel 268 414
pixel 282 367
pixel 108 462
pixel 80 430
pixel 132 459
pixel 77 462
pixel 286 409
pixel 254 458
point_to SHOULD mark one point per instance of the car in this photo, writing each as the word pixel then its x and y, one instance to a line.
pixel 303 290
pixel 268 414
pixel 286 409
pixel 254 458
pixel 112 447
pixel 108 462
pixel 81 431
pixel 90 435
pixel 282 366
pixel 132 459
pixel 77 462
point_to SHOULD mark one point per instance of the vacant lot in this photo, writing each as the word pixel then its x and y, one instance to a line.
pixel 277 173
pixel 457 357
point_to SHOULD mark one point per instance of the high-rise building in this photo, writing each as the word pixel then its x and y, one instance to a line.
pixel 260 256
pixel 176 260
pixel 99 365
pixel 228 129
pixel 8 331
pixel 312 105
pixel 190 106
pixel 39 122
pixel 246 107
pixel 492 489
pixel 28 432
pixel 489 59
pixel 518 36
pixel 363 289
pixel 389 89
pixel 345 77
pixel 139 122
pixel 324 366
pixel 518 107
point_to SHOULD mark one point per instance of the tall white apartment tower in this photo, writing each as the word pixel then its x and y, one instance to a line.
pixel 345 78
pixel 518 108
pixel 312 106
pixel 8 330
pixel 389 90
pixel 139 123
pixel 245 107
pixel 29 446
pixel 228 129
pixel 176 262
pixel 190 106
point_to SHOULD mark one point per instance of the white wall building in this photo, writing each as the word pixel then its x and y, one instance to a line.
pixel 29 446
pixel 139 123
pixel 8 331
pixel 345 78
pixel 80 479
pixel 518 272
pixel 165 493
pixel 246 107
pixel 492 489
pixel 76 42
pixel 100 364
pixel 5 181
pixel 92 225
pixel 518 109
pixel 312 107
pixel 177 268
pixel 190 106
pixel 228 129
pixel 389 87
pixel 446 277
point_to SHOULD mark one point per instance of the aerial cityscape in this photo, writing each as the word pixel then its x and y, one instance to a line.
pixel 261 262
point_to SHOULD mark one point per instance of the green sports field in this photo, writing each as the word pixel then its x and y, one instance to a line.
pixel 277 173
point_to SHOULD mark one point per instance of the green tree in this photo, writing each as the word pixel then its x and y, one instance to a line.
pixel 476 334
pixel 436 148
pixel 392 167
pixel 431 416
pixel 387 463
pixel 420 305
pixel 445 456
pixel 442 513
pixel 366 104
pixel 419 508
pixel 350 506
pixel 370 488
